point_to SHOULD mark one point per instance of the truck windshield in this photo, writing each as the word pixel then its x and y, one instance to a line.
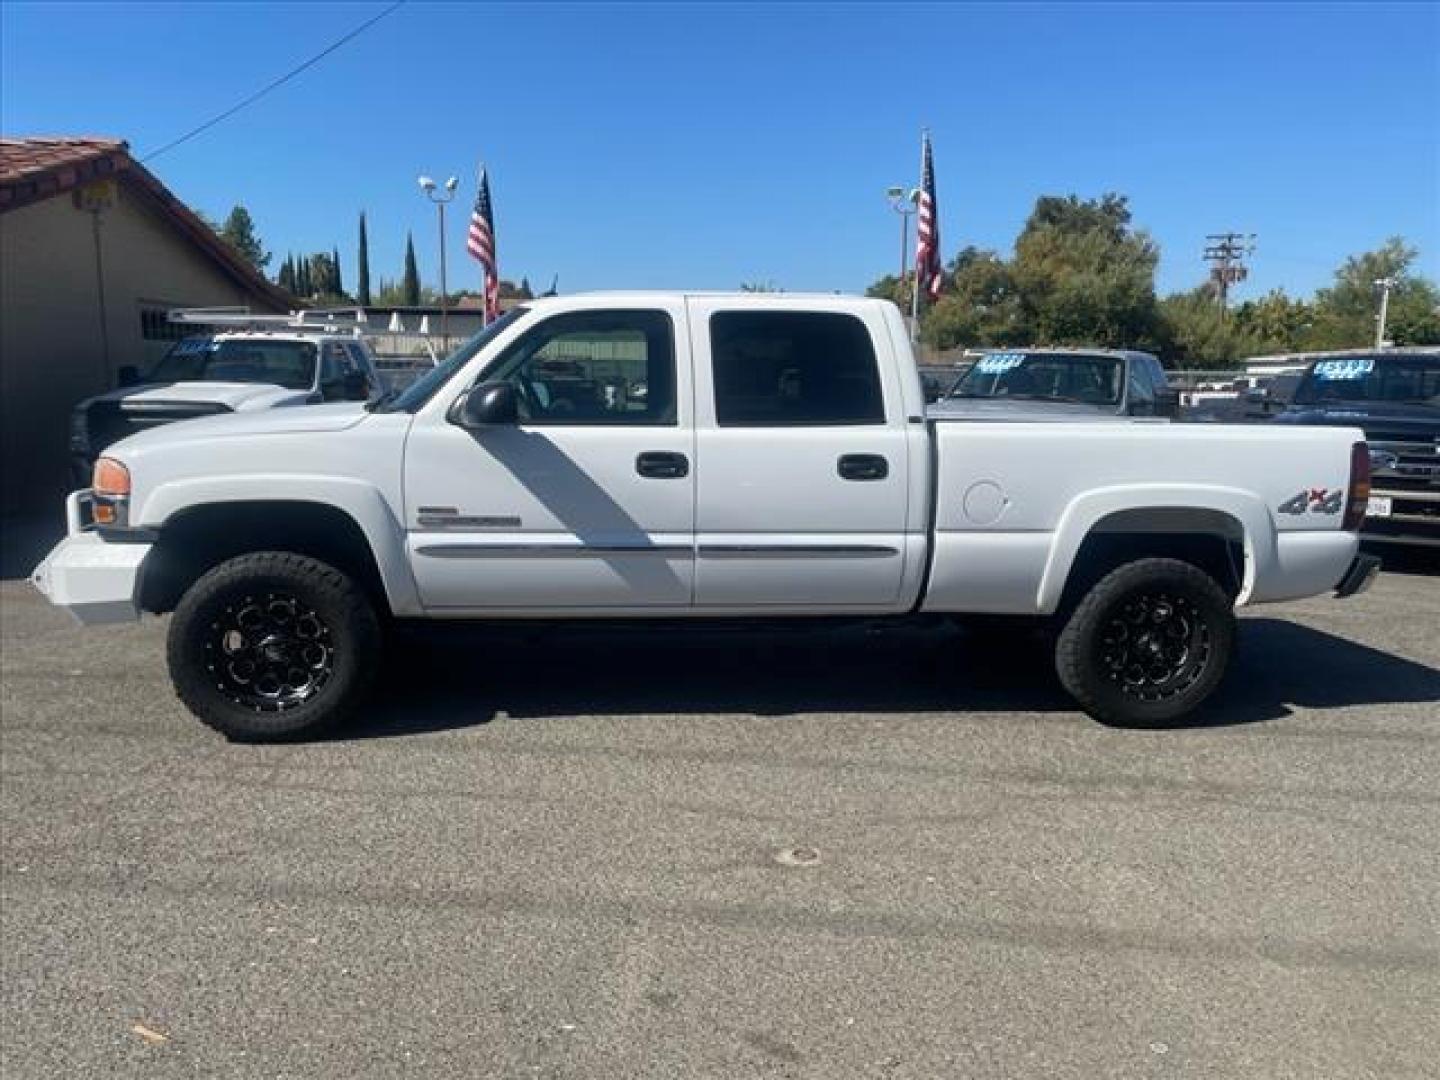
pixel 1044 376
pixel 425 387
pixel 1411 380
pixel 290 364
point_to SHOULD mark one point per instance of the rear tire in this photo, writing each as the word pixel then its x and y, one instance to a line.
pixel 273 646
pixel 1147 644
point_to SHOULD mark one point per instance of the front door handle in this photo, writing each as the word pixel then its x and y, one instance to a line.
pixel 662 465
pixel 862 467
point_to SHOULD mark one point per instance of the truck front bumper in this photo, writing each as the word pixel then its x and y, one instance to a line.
pixel 1361 575
pixel 96 581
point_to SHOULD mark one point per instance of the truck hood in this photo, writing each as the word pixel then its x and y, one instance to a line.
pixel 235 396
pixel 1002 409
pixel 336 416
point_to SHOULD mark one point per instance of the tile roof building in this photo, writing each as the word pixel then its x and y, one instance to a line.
pixel 94 250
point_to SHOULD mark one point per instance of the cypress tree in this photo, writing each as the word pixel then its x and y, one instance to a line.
pixel 336 286
pixel 411 283
pixel 306 289
pixel 362 283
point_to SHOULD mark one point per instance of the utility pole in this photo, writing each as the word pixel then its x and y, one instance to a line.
pixel 1225 253
pixel 1384 284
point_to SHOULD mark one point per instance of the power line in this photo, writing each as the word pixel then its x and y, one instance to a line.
pixel 281 81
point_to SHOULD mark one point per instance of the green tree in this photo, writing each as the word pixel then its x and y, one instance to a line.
pixel 980 305
pixel 1345 312
pixel 239 232
pixel 1275 323
pixel 302 278
pixel 410 285
pixel 893 289
pixel 1195 333
pixel 285 276
pixel 1083 275
pixel 362 273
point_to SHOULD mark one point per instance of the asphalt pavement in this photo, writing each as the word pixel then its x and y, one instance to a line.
pixel 632 853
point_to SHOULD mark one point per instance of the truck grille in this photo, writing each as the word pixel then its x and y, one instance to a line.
pixel 111 421
pixel 1416 463
pixel 1408 471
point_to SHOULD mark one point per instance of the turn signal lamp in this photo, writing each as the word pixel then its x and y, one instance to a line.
pixel 111 486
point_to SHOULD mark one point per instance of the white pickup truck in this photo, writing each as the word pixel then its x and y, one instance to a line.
pixel 689 457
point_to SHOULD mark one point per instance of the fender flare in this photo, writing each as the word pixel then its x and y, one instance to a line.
pixel 362 502
pixel 1084 512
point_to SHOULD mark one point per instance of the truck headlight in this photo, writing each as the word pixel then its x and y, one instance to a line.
pixel 80 430
pixel 111 490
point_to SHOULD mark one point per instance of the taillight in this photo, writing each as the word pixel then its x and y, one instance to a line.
pixel 1359 494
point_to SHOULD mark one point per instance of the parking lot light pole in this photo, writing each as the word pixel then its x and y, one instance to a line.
pixel 435 194
pixel 903 201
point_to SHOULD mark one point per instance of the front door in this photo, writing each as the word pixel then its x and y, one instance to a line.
pixel 802 453
pixel 588 502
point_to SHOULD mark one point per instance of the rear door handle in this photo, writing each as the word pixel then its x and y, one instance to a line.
pixel 862 467
pixel 662 465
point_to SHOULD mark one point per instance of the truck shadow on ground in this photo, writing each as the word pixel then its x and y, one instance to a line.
pixel 459 678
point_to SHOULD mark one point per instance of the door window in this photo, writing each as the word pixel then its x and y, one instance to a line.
pixel 1142 393
pixel 335 365
pixel 782 368
pixel 594 367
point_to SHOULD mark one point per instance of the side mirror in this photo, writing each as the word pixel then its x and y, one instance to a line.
pixel 127 375
pixel 931 386
pixel 1167 402
pixel 491 404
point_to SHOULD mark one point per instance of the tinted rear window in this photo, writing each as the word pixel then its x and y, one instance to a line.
pixel 781 368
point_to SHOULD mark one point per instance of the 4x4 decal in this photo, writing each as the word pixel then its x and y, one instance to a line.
pixel 1313 501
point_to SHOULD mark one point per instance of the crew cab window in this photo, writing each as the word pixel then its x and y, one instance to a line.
pixel 1142 391
pixel 594 367
pixel 358 359
pixel 781 368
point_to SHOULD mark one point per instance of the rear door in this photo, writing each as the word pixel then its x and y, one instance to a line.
pixel 802 458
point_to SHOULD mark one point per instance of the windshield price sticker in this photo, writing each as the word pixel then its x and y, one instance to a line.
pixel 999 363
pixel 1357 368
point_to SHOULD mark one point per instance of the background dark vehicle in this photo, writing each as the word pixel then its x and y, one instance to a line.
pixel 205 375
pixel 1394 395
pixel 1117 382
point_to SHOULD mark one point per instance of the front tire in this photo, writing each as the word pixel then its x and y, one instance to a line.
pixel 1148 644
pixel 272 646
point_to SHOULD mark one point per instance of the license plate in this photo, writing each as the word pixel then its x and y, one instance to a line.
pixel 1378 506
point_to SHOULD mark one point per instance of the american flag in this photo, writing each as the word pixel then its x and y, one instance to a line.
pixel 929 271
pixel 480 243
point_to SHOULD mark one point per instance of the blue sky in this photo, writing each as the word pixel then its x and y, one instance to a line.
pixel 706 145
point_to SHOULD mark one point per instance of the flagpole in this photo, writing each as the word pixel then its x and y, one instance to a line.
pixel 915 291
pixel 484 300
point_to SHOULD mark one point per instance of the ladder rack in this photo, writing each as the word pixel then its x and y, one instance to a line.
pixel 348 321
